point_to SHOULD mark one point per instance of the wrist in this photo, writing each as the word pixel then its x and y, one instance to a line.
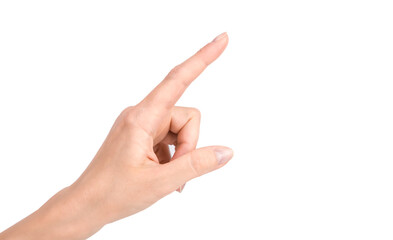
pixel 67 215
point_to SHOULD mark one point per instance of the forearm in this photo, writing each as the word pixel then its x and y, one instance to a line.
pixel 67 215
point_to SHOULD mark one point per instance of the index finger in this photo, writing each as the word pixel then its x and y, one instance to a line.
pixel 169 90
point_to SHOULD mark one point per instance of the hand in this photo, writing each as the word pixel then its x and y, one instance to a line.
pixel 133 168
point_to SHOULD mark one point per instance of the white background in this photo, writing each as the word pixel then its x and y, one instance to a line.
pixel 303 94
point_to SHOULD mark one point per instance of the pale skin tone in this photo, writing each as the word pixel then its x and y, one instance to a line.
pixel 133 168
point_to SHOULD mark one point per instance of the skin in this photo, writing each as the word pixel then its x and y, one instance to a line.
pixel 133 168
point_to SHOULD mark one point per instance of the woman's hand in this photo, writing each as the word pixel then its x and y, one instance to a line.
pixel 133 168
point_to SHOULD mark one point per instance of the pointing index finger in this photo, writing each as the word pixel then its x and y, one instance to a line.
pixel 169 90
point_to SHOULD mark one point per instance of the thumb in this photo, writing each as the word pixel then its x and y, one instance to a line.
pixel 195 164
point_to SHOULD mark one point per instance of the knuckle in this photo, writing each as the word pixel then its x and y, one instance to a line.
pixel 133 117
pixel 203 63
pixel 181 74
pixel 128 116
pixel 175 71
pixel 195 112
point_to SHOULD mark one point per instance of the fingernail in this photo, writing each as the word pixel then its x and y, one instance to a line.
pixel 181 188
pixel 223 155
pixel 221 36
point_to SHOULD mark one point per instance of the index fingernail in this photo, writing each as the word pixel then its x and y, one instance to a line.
pixel 221 36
